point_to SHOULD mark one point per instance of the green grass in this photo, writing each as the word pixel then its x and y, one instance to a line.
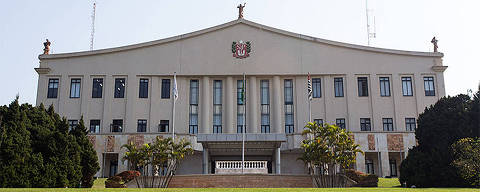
pixel 384 184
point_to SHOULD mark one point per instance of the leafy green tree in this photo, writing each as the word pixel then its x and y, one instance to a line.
pixel 326 149
pixel 430 163
pixel 88 155
pixel 467 160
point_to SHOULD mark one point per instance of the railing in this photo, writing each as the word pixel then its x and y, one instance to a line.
pixel 235 167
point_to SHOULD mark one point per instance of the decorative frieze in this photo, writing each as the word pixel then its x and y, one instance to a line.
pixel 110 143
pixel 371 142
pixel 395 142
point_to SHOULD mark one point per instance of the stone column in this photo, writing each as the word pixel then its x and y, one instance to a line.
pixel 205 106
pixel 205 161
pixel 229 103
pixel 277 105
pixel 278 166
pixel 360 163
pixel 252 109
pixel 384 163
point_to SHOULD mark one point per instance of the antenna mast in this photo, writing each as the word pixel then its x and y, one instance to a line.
pixel 370 34
pixel 92 34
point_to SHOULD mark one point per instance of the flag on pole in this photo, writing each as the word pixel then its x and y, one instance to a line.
pixel 309 87
pixel 175 90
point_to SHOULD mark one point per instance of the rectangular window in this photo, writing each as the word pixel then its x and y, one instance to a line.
pixel 163 126
pixel 217 106
pixel 385 86
pixel 362 86
pixel 193 121
pixel 117 125
pixel 75 88
pixel 288 97
pixel 317 87
pixel 393 168
pixel 165 88
pixel 143 89
pixel 142 125
pixel 95 126
pixel 387 124
pixel 369 166
pixel 319 122
pixel 240 107
pixel 265 106
pixel 338 85
pixel 407 86
pixel 97 88
pixel 429 86
pixel 410 124
pixel 72 124
pixel 365 124
pixel 340 123
pixel 52 88
pixel 119 88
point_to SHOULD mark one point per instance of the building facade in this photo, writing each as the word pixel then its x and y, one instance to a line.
pixel 125 95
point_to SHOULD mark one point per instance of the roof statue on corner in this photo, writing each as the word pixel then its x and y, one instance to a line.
pixel 435 45
pixel 46 48
pixel 240 10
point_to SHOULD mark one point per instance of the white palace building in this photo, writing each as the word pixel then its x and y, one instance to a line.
pixel 125 95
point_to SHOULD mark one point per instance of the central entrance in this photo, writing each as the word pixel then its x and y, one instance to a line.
pixel 222 153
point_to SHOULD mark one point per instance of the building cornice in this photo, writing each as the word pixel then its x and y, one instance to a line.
pixel 235 22
pixel 42 70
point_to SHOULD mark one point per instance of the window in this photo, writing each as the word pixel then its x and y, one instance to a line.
pixel 165 88
pixel 75 88
pixel 119 88
pixel 94 126
pixel 338 85
pixel 369 166
pixel 288 94
pixel 265 106
pixel 319 122
pixel 393 168
pixel 52 88
pixel 142 125
pixel 143 90
pixel 97 88
pixel 385 86
pixel 193 122
pixel 340 123
pixel 163 126
pixel 407 86
pixel 240 107
pixel 429 86
pixel 387 124
pixel 410 124
pixel 317 87
pixel 217 106
pixel 72 124
pixel 365 124
pixel 117 125
pixel 362 86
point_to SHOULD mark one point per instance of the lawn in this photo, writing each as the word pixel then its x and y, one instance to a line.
pixel 388 185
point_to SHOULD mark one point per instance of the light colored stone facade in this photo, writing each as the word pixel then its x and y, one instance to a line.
pixel 276 56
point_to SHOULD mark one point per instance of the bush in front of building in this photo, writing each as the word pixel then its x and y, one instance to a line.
pixel 429 164
pixel 120 180
pixel 467 159
pixel 37 149
pixel 362 179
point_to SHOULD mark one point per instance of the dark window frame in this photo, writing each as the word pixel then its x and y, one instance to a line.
pixel 429 85
pixel 94 124
pixel 240 107
pixel 143 88
pixel 385 86
pixel 340 122
pixel 318 121
pixel 52 88
pixel 75 91
pixel 362 86
pixel 163 126
pixel 365 124
pixel 338 87
pixel 217 106
pixel 193 110
pixel 316 87
pixel 388 124
pixel 165 89
pixel 141 125
pixel 265 106
pixel 72 123
pixel 407 86
pixel 410 124
pixel 97 88
pixel 119 91
pixel 288 99
pixel 116 126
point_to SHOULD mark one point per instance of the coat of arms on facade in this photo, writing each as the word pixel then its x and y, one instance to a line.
pixel 241 49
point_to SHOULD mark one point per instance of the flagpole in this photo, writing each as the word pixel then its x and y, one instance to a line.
pixel 244 123
pixel 175 95
pixel 309 97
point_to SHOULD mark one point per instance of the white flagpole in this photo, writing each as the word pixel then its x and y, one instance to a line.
pixel 310 90
pixel 244 121
pixel 175 96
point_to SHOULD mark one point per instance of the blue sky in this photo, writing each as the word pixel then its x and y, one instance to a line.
pixel 400 24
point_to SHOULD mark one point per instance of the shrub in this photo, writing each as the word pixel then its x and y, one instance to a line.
pixel 362 179
pixel 120 180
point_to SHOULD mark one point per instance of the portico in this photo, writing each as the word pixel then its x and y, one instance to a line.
pixel 227 148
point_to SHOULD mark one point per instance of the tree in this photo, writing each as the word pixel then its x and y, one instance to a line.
pixel 430 163
pixel 88 155
pixel 327 149
pixel 467 160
